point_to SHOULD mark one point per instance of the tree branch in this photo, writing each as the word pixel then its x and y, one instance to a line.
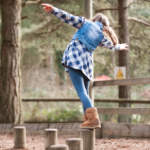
pixel 43 25
pixel 139 21
pixel 111 9
pixel 130 2
pixel 24 17
pixel 52 30
pixel 147 0
pixel 31 2
pixel 116 9
pixel 105 9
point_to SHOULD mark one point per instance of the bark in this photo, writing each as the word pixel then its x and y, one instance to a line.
pixel 88 8
pixel 10 87
pixel 123 55
pixel 88 12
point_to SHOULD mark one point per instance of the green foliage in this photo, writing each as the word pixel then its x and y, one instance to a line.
pixel 32 112
pixel 35 93
pixel 43 37
pixel 64 115
pixel 144 12
pixel 60 68
pixel 57 115
pixel 30 57
pixel 136 118
pixel 52 112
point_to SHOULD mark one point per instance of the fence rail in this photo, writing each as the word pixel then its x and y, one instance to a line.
pixel 126 111
pixel 26 100
pixel 111 129
pixel 122 82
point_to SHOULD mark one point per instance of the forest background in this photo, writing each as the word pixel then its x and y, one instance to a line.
pixel 44 39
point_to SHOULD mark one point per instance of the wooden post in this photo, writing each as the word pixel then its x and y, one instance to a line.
pixel 88 137
pixel 51 137
pixel 91 92
pixel 123 58
pixel 58 147
pixel 88 8
pixel 10 62
pixel 20 137
pixel 75 143
pixel 88 11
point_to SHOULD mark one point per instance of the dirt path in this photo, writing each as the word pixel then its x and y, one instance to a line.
pixel 36 142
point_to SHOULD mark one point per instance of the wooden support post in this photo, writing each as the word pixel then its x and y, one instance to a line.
pixel 91 92
pixel 20 137
pixel 51 138
pixel 123 56
pixel 75 143
pixel 88 8
pixel 88 136
pixel 58 147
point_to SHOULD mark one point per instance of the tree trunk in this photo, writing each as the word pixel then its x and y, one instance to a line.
pixel 88 12
pixel 123 55
pixel 88 8
pixel 10 100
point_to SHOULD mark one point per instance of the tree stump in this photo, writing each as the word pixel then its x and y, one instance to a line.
pixel 58 147
pixel 51 137
pixel 20 137
pixel 88 137
pixel 75 143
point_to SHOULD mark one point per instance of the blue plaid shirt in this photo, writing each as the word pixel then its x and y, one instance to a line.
pixel 76 54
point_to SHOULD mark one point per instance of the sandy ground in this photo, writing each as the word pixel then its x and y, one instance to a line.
pixel 36 142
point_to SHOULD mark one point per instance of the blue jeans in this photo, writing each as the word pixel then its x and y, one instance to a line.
pixel 81 84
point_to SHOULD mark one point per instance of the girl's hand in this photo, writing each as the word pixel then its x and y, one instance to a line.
pixel 47 7
pixel 123 46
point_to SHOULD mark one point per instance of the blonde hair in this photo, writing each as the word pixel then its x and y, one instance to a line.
pixel 107 30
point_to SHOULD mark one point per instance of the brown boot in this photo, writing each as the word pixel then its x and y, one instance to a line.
pixel 85 117
pixel 92 119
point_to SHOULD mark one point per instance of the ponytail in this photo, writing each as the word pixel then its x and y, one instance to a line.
pixel 107 30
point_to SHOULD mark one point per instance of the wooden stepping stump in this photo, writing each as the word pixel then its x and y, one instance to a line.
pixel 88 137
pixel 75 143
pixel 58 147
pixel 50 137
pixel 20 137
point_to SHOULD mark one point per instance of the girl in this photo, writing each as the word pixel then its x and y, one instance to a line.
pixel 78 56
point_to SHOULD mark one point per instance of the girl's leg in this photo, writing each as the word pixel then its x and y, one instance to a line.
pixel 77 78
pixel 81 86
pixel 87 85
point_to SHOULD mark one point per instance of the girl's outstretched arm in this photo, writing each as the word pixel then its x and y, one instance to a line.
pixel 108 44
pixel 66 17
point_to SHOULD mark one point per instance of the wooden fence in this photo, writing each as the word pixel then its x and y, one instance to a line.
pixel 128 82
pixel 72 100
pixel 109 130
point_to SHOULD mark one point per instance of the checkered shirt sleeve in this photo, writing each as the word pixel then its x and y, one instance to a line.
pixel 68 18
pixel 108 44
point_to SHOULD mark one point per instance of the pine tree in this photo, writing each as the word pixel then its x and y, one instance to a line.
pixel 10 100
